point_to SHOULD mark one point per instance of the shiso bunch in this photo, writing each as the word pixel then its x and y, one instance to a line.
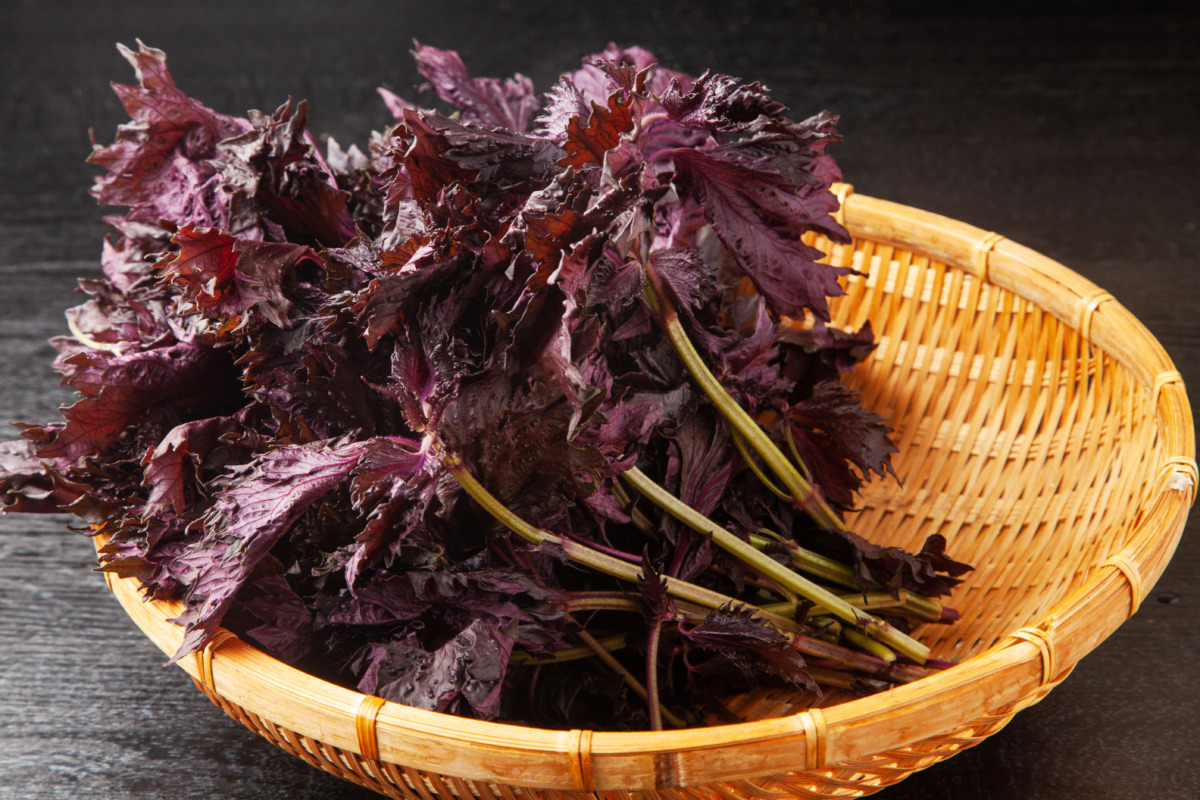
pixel 530 411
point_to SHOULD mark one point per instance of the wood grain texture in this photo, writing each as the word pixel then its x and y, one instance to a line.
pixel 1071 133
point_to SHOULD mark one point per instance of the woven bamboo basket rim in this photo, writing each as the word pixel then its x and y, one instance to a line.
pixel 366 738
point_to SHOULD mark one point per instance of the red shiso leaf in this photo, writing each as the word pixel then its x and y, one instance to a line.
pixel 487 101
pixel 834 434
pixel 759 216
pixel 162 164
pixel 254 510
pixel 588 141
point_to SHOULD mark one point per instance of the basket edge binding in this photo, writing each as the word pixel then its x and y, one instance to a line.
pixel 1014 673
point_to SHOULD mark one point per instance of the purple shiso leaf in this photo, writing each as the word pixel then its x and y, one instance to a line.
pixel 168 475
pixel 467 672
pixel 750 644
pixel 251 513
pixel 513 433
pixel 602 73
pixel 26 483
pixel 396 478
pixel 394 523
pixel 759 216
pixel 833 434
pixel 388 298
pixel 221 276
pixel 486 612
pixel 395 103
pixel 129 306
pixel 657 604
pixel 500 596
pixel 630 76
pixel 564 104
pixel 892 568
pixel 326 390
pixel 119 389
pixel 280 181
pixel 286 630
pixel 428 361
pixel 485 101
pixel 686 275
pixel 620 427
pixel 502 162
pixel 162 164
pixel 744 357
pixel 170 468
pixel 421 149
pixel 841 350
pixel 719 103
pixel 747 125
pixel 706 461
pixel 147 555
pixel 260 503
pixel 587 141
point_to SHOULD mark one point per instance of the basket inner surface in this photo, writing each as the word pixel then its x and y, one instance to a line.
pixel 1018 440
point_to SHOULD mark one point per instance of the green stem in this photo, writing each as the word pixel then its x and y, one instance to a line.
pixel 907 673
pixel 844 680
pixel 871 601
pixel 856 637
pixel 828 628
pixel 837 654
pixel 630 679
pixel 744 451
pixel 810 562
pixel 588 557
pixel 800 489
pixel 602 601
pixel 771 569
pixel 925 608
pixel 681 590
pixel 639 519
pixel 652 703
pixel 609 643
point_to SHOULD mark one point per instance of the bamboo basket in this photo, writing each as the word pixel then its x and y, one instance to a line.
pixel 1041 429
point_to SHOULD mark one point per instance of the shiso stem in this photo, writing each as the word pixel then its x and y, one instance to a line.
pixel 88 341
pixel 844 680
pixel 800 489
pixel 586 556
pixel 681 590
pixel 609 643
pixel 630 679
pixel 856 637
pixel 771 569
pixel 616 601
pixel 918 605
pixel 808 561
pixel 639 519
pixel 602 601
pixel 752 462
pixel 652 704
pixel 870 601
pixel 929 609
pixel 821 566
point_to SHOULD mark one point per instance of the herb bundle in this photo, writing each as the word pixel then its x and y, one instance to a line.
pixel 530 411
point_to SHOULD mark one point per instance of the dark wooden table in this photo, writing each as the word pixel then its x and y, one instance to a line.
pixel 1076 133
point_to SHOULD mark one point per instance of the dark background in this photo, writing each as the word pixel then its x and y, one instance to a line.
pixel 1074 131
